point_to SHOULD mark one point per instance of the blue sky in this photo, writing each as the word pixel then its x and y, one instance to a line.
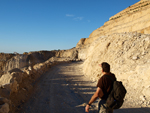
pixel 34 25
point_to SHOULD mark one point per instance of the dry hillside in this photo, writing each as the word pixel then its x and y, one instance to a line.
pixel 123 42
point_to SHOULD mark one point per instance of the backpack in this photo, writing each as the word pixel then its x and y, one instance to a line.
pixel 116 97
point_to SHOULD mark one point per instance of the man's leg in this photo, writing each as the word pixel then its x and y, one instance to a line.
pixel 102 107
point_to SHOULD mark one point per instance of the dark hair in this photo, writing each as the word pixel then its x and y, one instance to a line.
pixel 105 67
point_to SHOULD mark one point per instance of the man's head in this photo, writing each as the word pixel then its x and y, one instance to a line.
pixel 105 67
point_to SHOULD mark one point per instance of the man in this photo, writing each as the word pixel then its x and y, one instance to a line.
pixel 104 87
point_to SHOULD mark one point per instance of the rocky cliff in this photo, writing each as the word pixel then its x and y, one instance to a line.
pixel 3 59
pixel 128 54
pixel 11 61
pixel 135 18
pixel 123 42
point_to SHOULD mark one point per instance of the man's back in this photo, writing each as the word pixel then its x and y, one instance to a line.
pixel 106 84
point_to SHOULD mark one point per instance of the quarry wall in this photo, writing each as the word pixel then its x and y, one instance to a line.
pixel 128 54
pixel 123 42
pixel 135 18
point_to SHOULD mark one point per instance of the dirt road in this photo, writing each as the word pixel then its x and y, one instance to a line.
pixel 64 89
pixel 61 90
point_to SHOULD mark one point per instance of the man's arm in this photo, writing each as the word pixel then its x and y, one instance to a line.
pixel 93 98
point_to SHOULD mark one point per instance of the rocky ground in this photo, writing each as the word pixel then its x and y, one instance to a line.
pixel 127 53
pixel 64 89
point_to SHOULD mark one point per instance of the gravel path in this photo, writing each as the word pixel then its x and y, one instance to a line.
pixel 64 89
pixel 61 90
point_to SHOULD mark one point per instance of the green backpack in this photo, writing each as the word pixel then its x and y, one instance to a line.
pixel 116 97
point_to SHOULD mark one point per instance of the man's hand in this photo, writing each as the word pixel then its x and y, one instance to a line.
pixel 87 108
pixel 93 98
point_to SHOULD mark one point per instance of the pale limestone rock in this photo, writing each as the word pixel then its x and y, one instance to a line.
pixel 142 98
pixel 17 61
pixel 5 79
pixel 30 68
pixel 146 91
pixel 132 19
pixel 135 57
pixel 28 72
pixel 71 53
pixel 130 65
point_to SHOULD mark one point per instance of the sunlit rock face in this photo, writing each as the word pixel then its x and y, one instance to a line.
pixel 123 42
pixel 134 18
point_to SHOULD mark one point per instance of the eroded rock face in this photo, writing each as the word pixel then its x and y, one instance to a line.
pixel 70 53
pixel 135 18
pixel 128 54
pixel 3 59
pixel 18 61
pixel 123 42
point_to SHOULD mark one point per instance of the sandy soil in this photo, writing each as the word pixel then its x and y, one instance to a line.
pixel 64 89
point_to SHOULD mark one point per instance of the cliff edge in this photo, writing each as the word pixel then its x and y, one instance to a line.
pixel 135 18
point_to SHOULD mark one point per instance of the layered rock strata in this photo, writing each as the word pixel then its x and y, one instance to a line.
pixel 135 18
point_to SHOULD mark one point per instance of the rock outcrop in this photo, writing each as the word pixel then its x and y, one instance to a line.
pixel 128 54
pixel 3 59
pixel 123 42
pixel 135 18
pixel 11 61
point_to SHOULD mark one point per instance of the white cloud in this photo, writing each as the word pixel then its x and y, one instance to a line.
pixel 75 18
pixel 78 18
pixel 69 15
